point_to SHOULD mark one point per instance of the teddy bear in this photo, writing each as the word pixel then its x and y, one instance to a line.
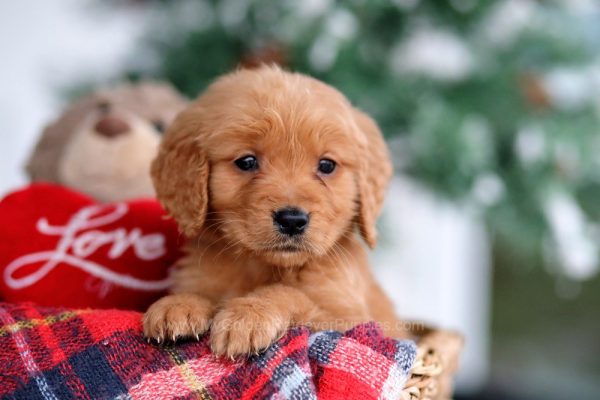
pixel 88 231
pixel 103 144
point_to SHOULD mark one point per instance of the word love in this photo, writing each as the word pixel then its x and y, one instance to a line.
pixel 75 246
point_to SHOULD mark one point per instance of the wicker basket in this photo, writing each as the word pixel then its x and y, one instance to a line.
pixel 431 376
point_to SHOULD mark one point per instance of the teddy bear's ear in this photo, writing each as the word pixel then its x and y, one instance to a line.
pixel 43 163
pixel 180 173
pixel 373 177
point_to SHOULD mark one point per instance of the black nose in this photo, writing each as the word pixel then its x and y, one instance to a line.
pixel 290 221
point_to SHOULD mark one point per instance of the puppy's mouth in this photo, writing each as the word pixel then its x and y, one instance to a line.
pixel 287 249
pixel 286 253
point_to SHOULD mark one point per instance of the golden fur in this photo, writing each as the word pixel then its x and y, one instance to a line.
pixel 235 279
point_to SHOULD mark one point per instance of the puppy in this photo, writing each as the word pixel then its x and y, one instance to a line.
pixel 270 174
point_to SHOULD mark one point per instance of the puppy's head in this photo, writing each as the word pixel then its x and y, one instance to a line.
pixel 279 164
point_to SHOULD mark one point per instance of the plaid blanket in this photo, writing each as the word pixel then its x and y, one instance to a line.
pixel 50 353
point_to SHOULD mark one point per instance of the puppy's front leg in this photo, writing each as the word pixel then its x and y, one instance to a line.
pixel 249 324
pixel 178 316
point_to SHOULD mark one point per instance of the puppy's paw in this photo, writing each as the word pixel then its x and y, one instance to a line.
pixel 177 316
pixel 246 326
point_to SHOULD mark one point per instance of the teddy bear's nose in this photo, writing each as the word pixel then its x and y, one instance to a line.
pixel 111 127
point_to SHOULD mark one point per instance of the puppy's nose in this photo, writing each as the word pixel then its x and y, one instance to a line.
pixel 111 127
pixel 290 221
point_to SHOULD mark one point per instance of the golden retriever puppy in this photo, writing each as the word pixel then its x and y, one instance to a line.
pixel 270 174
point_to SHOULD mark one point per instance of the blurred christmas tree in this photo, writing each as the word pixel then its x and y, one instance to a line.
pixel 492 104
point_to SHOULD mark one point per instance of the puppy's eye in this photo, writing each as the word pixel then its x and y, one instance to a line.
pixel 247 163
pixel 326 166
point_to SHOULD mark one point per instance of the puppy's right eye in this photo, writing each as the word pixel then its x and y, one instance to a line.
pixel 247 163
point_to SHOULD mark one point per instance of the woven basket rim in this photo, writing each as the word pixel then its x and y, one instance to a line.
pixel 435 364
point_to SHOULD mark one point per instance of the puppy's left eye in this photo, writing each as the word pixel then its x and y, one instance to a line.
pixel 326 166
pixel 247 163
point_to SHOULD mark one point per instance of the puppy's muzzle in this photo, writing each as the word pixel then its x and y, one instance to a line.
pixel 291 221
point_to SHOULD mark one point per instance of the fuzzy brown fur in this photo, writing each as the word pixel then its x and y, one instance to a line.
pixel 72 153
pixel 236 279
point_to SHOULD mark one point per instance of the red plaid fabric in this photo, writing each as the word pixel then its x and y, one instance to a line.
pixel 50 353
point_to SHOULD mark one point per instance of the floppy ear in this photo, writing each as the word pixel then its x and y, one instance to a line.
pixel 373 177
pixel 180 173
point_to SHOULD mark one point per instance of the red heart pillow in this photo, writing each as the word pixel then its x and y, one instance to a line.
pixel 61 248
